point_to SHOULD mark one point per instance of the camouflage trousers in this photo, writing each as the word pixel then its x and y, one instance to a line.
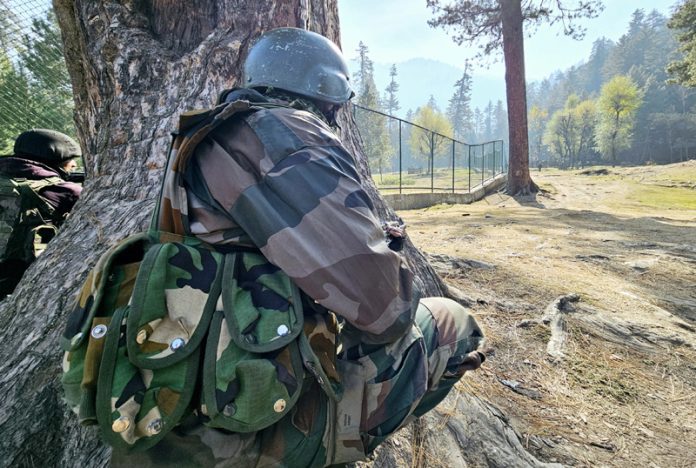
pixel 384 388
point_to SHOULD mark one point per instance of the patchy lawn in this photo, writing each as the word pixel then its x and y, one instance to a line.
pixel 623 390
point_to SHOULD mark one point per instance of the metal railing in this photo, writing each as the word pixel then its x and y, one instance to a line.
pixel 407 158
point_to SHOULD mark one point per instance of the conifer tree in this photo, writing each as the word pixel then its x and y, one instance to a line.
pixel 684 22
pixel 459 107
pixel 371 126
pixel 391 99
pixel 500 123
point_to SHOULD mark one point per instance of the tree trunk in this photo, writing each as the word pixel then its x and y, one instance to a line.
pixel 519 181
pixel 135 66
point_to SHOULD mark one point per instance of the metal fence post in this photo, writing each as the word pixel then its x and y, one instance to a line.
pixel 453 149
pixel 401 169
pixel 432 162
pixel 483 162
pixel 469 168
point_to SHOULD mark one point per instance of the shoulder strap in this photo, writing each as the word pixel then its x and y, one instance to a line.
pixel 171 211
pixel 32 187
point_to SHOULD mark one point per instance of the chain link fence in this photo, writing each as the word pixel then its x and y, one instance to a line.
pixel 35 90
pixel 407 158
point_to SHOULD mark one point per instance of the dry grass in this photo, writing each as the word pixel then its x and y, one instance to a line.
pixel 625 395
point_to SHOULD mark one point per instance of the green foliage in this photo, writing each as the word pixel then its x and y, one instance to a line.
pixel 35 90
pixel 49 83
pixel 663 130
pixel 586 116
pixel 537 119
pixel 618 102
pixel 684 21
pixel 561 135
pixel 393 179
pixel 479 21
pixel 421 141
pixel 570 132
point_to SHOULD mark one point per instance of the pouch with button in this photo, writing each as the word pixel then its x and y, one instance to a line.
pixel 132 342
pixel 108 288
pixel 253 370
pixel 152 351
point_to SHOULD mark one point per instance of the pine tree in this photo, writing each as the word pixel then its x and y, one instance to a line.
pixel 432 103
pixel 684 22
pixel 372 126
pixel 391 99
pixel 500 121
pixel 477 127
pixel 488 121
pixel 459 107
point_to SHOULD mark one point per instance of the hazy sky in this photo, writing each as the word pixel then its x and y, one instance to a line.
pixel 397 30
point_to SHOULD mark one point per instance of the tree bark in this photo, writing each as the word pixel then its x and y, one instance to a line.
pixel 135 66
pixel 519 181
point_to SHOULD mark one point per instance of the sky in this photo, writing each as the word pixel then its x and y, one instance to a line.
pixel 397 30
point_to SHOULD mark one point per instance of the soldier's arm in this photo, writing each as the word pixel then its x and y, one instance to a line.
pixel 310 216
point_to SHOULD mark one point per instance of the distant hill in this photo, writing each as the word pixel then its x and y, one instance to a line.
pixel 418 78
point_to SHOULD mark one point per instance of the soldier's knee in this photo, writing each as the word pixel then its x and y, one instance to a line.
pixel 453 321
pixel 458 332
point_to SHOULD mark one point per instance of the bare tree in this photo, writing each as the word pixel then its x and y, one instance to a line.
pixel 496 24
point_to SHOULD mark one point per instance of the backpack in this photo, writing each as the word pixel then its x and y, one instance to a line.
pixel 166 326
pixel 26 223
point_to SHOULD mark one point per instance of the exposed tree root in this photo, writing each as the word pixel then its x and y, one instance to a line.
pixel 628 334
pixel 554 318
pixel 522 191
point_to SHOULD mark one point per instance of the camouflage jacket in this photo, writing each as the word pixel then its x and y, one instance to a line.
pixel 280 179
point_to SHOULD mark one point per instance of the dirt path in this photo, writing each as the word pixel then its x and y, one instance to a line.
pixel 622 392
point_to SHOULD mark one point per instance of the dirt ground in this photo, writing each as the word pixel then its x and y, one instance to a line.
pixel 619 389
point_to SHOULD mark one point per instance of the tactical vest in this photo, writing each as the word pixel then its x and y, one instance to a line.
pixel 167 326
pixel 26 223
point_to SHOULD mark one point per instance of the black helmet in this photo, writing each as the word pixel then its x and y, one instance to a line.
pixel 46 146
pixel 299 61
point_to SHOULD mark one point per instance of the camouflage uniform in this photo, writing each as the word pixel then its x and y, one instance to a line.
pixel 57 198
pixel 280 180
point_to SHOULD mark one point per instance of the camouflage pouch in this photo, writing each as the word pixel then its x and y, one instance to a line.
pixel 155 308
pixel 133 343
pixel 253 371
pixel 152 352
pixel 108 288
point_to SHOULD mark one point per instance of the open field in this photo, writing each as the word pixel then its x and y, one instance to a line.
pixel 617 384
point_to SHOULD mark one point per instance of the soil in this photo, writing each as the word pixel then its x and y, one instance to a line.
pixel 622 391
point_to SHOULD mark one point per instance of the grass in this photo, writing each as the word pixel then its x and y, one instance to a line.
pixel 668 198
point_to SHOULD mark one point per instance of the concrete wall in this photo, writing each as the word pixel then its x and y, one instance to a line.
pixel 414 201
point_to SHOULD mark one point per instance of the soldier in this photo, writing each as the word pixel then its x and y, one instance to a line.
pixel 35 199
pixel 279 179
